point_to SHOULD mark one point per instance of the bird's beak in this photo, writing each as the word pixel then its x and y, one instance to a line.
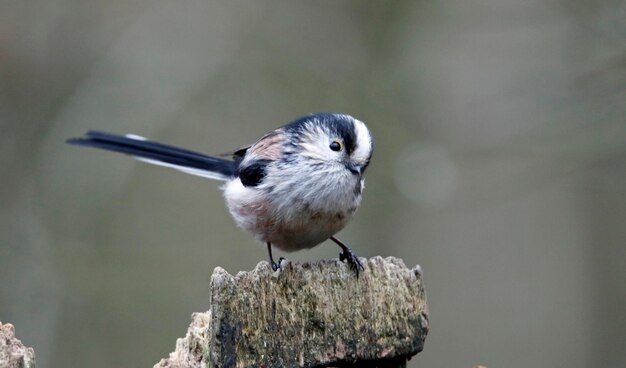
pixel 354 168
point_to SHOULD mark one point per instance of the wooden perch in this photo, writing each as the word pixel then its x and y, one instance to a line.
pixel 13 354
pixel 309 315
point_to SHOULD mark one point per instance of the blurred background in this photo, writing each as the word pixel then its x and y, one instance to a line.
pixel 500 165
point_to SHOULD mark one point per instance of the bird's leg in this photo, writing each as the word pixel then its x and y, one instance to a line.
pixel 348 255
pixel 275 265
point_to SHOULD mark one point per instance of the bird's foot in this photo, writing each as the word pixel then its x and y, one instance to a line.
pixel 352 259
pixel 276 265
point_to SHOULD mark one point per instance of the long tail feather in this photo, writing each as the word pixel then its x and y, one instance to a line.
pixel 155 153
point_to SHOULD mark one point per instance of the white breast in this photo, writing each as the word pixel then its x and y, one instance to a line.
pixel 295 210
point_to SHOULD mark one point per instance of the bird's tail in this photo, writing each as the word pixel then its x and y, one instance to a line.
pixel 160 154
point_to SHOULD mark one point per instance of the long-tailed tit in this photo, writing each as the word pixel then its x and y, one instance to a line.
pixel 294 188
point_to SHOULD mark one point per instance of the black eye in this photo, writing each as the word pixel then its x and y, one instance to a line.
pixel 336 146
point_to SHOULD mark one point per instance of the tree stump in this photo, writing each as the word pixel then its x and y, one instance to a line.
pixel 309 315
pixel 13 354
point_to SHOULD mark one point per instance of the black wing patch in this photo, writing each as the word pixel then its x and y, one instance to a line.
pixel 237 155
pixel 240 153
pixel 253 174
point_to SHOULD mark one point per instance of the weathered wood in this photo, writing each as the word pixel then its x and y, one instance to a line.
pixel 13 354
pixel 309 315
pixel 191 350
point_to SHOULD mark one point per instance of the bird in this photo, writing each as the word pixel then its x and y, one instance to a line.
pixel 293 189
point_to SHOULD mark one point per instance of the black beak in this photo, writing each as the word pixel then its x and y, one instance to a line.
pixel 354 168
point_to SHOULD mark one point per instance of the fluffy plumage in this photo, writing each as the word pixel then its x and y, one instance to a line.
pixel 294 188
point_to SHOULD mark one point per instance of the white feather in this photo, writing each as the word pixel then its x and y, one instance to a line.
pixel 136 137
pixel 364 142
pixel 186 170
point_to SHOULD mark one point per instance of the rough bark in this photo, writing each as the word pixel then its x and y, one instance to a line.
pixel 13 354
pixel 191 350
pixel 309 315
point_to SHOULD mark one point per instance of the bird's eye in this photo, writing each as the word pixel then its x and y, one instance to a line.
pixel 336 146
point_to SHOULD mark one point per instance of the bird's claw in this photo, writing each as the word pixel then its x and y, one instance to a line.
pixel 352 260
pixel 276 265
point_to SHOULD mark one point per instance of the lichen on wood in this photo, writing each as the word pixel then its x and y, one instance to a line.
pixel 191 350
pixel 311 315
pixel 13 354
